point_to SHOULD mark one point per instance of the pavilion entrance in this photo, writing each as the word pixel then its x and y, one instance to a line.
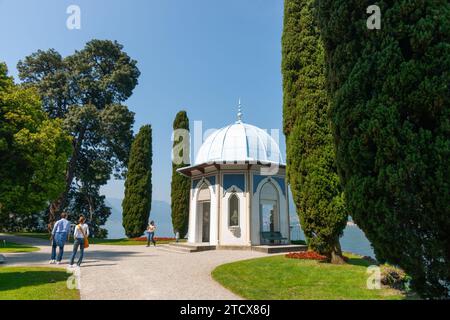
pixel 204 215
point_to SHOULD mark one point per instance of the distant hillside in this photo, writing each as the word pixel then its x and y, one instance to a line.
pixel 160 213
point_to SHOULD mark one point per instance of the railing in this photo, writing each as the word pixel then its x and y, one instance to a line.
pixel 296 232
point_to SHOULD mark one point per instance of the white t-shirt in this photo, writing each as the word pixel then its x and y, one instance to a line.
pixel 77 234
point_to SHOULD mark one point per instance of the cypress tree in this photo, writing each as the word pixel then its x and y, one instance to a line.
pixel 138 185
pixel 391 123
pixel 180 186
pixel 310 155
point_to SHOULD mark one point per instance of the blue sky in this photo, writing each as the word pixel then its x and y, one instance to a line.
pixel 196 55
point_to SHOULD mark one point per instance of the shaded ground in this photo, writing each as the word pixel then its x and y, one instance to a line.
pixel 137 272
pixel 35 283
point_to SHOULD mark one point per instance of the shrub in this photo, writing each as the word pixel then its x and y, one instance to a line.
pixel 394 277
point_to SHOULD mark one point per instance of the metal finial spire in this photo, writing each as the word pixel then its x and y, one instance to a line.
pixel 239 115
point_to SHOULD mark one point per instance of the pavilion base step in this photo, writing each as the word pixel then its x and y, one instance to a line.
pixel 169 248
pixel 280 248
pixel 190 248
pixel 183 247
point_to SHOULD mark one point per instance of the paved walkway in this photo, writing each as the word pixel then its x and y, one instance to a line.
pixel 137 272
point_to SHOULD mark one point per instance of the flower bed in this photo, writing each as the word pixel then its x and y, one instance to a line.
pixel 307 255
pixel 156 239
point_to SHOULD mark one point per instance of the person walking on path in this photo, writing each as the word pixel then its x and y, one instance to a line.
pixel 80 235
pixel 151 233
pixel 60 234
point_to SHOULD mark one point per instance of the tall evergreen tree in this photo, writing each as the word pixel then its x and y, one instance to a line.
pixel 180 187
pixel 310 155
pixel 85 90
pixel 138 185
pixel 391 124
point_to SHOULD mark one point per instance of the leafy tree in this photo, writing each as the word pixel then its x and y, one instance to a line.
pixel 112 136
pixel 181 185
pixel 310 155
pixel 391 123
pixel 88 202
pixel 138 185
pixel 85 90
pixel 19 222
pixel 34 151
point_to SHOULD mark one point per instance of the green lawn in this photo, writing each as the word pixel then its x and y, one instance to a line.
pixel 278 277
pixel 11 247
pixel 43 236
pixel 24 283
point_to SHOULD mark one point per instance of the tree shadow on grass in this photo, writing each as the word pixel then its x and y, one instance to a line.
pixel 19 279
pixel 358 261
pixel 354 261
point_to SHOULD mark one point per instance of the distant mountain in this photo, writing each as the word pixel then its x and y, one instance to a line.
pixel 353 240
pixel 160 213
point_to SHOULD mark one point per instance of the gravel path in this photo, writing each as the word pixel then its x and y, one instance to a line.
pixel 137 272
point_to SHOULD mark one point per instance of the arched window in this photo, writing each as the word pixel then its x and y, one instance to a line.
pixel 233 210
pixel 268 203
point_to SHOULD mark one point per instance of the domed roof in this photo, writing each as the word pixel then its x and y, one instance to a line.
pixel 239 142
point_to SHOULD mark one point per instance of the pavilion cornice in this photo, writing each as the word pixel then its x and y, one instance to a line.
pixel 189 171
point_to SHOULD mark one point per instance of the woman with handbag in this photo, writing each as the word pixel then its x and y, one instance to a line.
pixel 80 236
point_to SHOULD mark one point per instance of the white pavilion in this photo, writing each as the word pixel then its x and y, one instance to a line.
pixel 238 190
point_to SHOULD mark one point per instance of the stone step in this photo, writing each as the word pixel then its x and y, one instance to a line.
pixel 189 247
pixel 172 250
pixel 280 248
pixel 169 248
pixel 195 247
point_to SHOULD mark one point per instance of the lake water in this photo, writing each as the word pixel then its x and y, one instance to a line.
pixel 353 239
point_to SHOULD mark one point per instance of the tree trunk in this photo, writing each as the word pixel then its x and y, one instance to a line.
pixel 58 205
pixel 91 211
pixel 336 256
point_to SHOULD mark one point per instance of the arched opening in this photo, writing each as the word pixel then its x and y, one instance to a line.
pixel 269 208
pixel 233 211
pixel 203 214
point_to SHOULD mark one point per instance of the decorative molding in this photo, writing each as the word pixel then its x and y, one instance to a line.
pixel 233 189
pixel 257 179
pixel 236 179
pixel 199 181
